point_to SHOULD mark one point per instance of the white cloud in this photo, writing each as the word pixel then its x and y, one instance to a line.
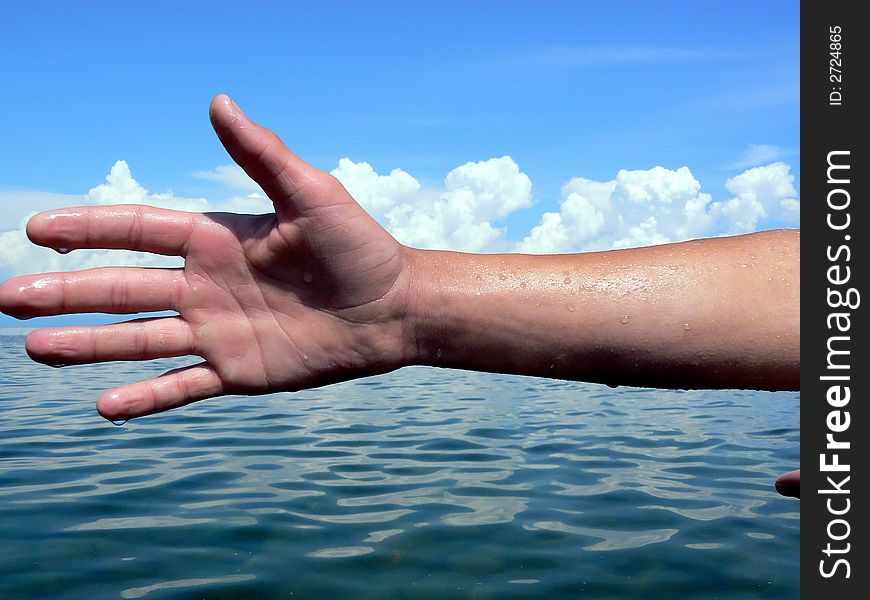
pixel 466 213
pixel 121 188
pixel 231 176
pixel 14 203
pixel 637 208
pixel 254 204
pixel 758 154
pixel 759 194
pixel 477 196
pixel 376 193
pixel 19 256
pixel 659 205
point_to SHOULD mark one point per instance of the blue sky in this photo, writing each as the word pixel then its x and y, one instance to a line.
pixel 565 89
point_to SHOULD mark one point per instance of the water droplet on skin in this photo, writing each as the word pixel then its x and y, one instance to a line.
pixel 743 265
pixel 613 386
pixel 523 284
pixel 62 250
pixel 686 327
pixel 118 423
pixel 567 280
pixel 307 277
pixel 570 307
pixel 624 319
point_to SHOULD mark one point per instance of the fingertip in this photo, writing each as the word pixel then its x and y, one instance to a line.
pixel 223 111
pixel 11 301
pixel 36 225
pixel 789 484
pixel 37 343
pixel 112 407
pixel 219 98
pixel 6 296
pixel 218 103
pixel 781 487
pixel 55 228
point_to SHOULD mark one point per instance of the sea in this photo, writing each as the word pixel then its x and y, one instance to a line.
pixel 422 483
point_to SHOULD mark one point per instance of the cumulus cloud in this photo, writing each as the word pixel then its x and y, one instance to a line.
pixel 376 193
pixel 659 205
pixel 121 188
pixel 465 215
pixel 466 212
pixel 761 193
pixel 18 255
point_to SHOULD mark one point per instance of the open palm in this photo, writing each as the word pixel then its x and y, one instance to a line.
pixel 311 294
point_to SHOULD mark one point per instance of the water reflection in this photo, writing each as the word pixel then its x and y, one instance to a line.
pixel 422 481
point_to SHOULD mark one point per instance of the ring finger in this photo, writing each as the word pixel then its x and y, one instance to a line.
pixel 141 339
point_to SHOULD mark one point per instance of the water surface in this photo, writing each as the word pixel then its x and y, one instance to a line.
pixel 424 483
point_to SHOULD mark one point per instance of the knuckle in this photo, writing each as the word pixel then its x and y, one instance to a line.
pixel 134 234
pixel 119 291
pixel 183 387
pixel 141 340
pixel 330 183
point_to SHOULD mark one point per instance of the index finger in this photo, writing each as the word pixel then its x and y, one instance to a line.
pixel 122 226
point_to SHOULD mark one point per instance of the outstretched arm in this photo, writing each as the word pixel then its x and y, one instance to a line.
pixel 318 292
pixel 713 313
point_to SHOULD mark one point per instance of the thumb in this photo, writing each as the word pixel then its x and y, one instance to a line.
pixel 293 185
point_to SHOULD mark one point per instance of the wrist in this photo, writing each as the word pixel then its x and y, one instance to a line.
pixel 450 296
pixel 426 306
pixel 412 315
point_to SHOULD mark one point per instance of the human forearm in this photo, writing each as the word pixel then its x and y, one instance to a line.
pixel 318 292
pixel 720 313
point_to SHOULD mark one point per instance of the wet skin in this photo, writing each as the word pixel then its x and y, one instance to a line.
pixel 319 292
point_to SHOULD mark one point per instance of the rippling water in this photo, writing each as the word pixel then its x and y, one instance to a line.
pixel 424 483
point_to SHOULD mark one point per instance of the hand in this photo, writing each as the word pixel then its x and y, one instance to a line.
pixel 311 294
pixel 789 484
